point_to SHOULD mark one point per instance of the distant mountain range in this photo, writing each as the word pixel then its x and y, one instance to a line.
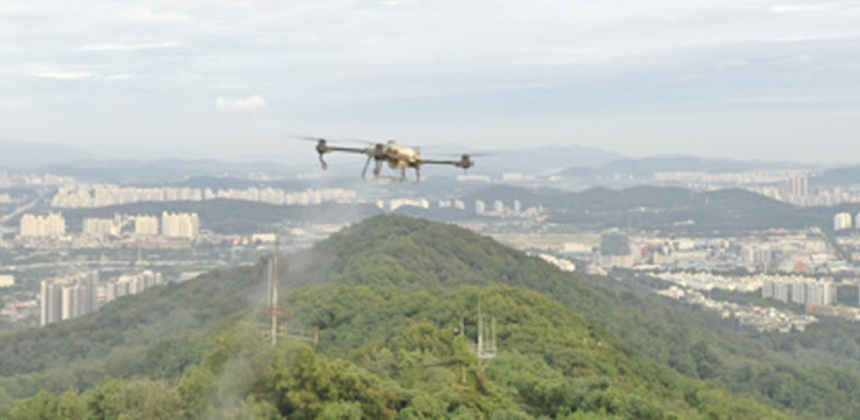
pixel 579 166
pixel 90 165
pixel 643 169
pixel 129 166
pixel 158 171
pixel 27 155
pixel 544 159
pixel 849 175
pixel 666 208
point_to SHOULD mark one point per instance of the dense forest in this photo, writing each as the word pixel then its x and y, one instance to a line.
pixel 387 295
pixel 392 354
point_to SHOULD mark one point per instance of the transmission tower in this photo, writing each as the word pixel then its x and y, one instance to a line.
pixel 273 330
pixel 485 347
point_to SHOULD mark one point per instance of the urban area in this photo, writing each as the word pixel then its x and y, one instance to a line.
pixel 63 262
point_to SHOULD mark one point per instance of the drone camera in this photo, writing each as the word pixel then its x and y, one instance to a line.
pixel 465 162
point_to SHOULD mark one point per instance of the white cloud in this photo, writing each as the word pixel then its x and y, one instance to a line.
pixel 360 62
pixel 395 3
pixel 126 46
pixel 63 75
pixel 49 73
pixel 149 15
pixel 251 102
pixel 796 8
pixel 118 76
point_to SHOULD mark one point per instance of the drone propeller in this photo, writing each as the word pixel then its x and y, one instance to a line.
pixel 309 138
pixel 484 154
pixel 338 140
pixel 466 161
pixel 479 154
pixel 359 141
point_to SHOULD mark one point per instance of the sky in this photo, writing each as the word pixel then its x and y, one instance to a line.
pixel 772 80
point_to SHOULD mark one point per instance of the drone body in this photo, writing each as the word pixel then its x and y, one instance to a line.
pixel 398 157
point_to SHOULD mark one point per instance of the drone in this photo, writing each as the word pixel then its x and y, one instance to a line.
pixel 398 157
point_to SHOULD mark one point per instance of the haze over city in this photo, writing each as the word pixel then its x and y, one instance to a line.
pixel 771 80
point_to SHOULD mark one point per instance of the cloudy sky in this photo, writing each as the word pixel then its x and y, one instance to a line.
pixel 739 78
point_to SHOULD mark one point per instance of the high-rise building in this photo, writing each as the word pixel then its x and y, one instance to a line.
pixel 798 186
pixel 799 290
pixel 498 207
pixel 842 221
pixel 51 302
pixel 615 250
pixel 110 292
pixel 767 289
pixel 69 297
pixel 146 225
pixel 7 280
pixel 781 291
pixel 132 284
pixel 54 224
pixel 822 293
pixel 100 227
pixel 180 225
pixel 764 259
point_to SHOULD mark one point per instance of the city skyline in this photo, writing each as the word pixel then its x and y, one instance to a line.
pixel 766 80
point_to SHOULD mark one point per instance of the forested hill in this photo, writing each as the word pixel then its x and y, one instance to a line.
pixel 417 254
pixel 386 353
pixel 386 295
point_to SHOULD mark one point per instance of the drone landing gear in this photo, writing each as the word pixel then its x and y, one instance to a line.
pixel 377 169
pixel 402 177
pixel 417 176
pixel 364 171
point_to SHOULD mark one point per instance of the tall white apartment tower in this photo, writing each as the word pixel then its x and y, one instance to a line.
pixel 146 225
pixel 69 297
pixel 842 221
pixel 180 225
pixel 51 302
pixel 798 186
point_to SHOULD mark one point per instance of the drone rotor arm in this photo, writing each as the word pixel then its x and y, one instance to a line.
pixel 440 162
pixel 362 150
pixel 323 148
pixel 465 162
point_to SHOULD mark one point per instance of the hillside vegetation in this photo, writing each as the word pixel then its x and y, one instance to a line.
pixel 387 295
pixel 414 253
pixel 389 354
